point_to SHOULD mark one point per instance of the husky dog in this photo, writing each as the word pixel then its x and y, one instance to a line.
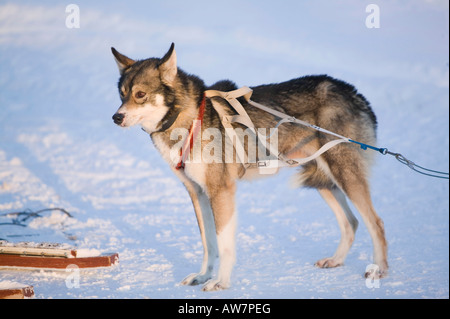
pixel 162 98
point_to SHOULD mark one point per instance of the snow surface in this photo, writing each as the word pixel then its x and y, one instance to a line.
pixel 60 148
pixel 6 284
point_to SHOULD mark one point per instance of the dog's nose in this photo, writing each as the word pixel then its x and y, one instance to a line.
pixel 118 118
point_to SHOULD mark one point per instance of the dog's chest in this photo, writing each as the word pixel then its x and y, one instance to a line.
pixel 168 153
pixel 193 170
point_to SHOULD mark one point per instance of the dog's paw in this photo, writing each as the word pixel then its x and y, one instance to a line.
pixel 215 285
pixel 329 262
pixel 195 279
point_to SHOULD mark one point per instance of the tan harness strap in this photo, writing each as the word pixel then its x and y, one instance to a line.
pixel 243 118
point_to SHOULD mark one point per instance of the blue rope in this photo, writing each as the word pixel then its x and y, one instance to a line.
pixel 366 146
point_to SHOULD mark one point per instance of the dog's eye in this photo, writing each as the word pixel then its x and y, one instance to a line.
pixel 139 94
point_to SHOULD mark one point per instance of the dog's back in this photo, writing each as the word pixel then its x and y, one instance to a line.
pixel 323 101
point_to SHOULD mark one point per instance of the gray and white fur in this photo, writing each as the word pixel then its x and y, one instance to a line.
pixel 160 97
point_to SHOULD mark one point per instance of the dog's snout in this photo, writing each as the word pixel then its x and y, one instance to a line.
pixel 118 118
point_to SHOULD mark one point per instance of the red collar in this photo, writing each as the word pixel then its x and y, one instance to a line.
pixel 193 132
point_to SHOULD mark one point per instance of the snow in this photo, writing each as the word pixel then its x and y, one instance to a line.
pixel 60 148
pixel 7 284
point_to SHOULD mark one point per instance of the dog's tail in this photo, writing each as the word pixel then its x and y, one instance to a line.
pixel 312 176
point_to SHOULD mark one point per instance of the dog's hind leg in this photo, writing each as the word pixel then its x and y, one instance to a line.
pixel 205 221
pixel 348 224
pixel 351 178
pixel 358 192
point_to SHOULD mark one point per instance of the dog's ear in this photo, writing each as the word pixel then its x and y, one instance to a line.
pixel 168 66
pixel 122 61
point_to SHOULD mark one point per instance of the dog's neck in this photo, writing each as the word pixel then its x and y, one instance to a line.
pixel 181 116
pixel 170 141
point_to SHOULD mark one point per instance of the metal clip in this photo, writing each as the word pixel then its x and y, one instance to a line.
pixel 291 162
pixel 261 164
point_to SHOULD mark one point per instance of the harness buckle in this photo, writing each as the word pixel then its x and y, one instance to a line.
pixel 261 164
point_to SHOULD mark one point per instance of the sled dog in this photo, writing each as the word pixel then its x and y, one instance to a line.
pixel 167 102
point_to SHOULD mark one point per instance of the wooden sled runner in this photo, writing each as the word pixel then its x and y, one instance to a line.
pixel 53 256
pixel 23 261
pixel 17 293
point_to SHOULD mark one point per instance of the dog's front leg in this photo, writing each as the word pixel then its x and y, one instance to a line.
pixel 222 204
pixel 206 225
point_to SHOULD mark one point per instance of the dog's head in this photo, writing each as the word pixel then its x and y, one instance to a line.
pixel 146 90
